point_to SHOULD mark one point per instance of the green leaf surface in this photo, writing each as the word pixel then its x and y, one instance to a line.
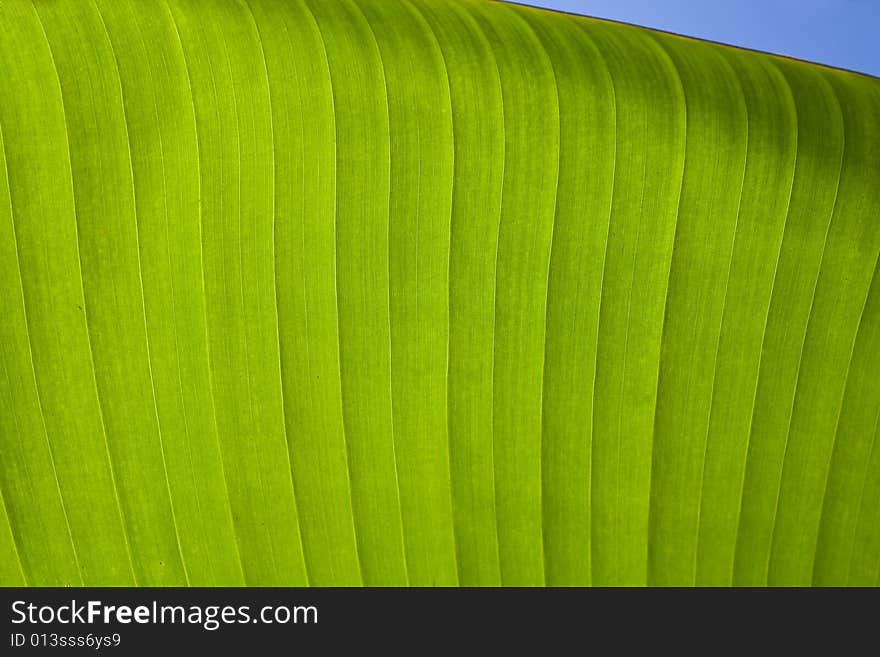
pixel 430 292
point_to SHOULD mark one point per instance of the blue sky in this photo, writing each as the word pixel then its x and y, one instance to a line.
pixel 842 33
